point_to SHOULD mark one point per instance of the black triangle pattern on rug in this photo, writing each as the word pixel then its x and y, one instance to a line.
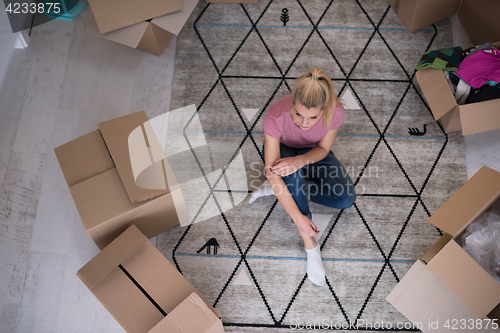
pixel 279 77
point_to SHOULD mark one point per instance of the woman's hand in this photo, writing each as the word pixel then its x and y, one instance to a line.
pixel 305 225
pixel 286 166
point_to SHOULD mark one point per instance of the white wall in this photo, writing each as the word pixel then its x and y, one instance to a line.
pixel 7 42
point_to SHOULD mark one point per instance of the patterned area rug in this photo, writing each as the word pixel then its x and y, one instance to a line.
pixel 234 61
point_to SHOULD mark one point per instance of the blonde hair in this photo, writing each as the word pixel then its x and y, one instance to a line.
pixel 315 89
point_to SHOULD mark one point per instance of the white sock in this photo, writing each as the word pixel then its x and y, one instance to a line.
pixel 263 190
pixel 315 269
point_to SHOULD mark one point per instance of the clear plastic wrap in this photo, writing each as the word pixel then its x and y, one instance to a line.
pixel 481 240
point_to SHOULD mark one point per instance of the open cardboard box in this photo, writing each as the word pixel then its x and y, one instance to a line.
pixel 446 283
pixel 144 292
pixel 149 31
pixel 103 169
pixel 479 17
pixel 470 118
pixel 116 14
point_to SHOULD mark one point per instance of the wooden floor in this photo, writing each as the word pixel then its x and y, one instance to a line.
pixel 57 89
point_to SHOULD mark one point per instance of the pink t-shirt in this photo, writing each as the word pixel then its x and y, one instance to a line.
pixel 278 123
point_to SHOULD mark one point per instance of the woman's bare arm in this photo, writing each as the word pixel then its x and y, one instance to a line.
pixel 289 165
pixel 272 154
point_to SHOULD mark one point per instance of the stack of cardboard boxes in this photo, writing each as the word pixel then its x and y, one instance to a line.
pixel 130 277
pixel 126 192
pixel 480 20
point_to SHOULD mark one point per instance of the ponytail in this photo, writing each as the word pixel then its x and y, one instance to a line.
pixel 315 89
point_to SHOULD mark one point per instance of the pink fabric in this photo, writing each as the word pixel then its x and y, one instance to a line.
pixel 480 67
pixel 278 123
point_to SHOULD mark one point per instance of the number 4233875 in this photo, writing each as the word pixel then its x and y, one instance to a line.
pixel 24 8
pixel 478 324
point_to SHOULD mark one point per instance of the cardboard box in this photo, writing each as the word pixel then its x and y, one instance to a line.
pixel 417 14
pixel 470 118
pixel 152 35
pixel 143 291
pixel 446 283
pixel 115 14
pixel 102 176
pixel 479 17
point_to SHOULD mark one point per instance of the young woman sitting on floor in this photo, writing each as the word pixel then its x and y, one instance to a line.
pixel 300 130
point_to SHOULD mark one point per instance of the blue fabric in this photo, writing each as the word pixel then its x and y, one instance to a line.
pixel 331 185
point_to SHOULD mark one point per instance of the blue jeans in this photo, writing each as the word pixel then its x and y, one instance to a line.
pixel 331 185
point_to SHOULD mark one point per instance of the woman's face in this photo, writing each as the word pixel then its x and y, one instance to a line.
pixel 303 117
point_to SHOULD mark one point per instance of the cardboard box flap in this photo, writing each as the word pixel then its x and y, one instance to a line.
pixel 150 166
pixel 422 298
pixel 115 14
pixel 431 11
pixel 191 316
pixel 475 120
pixel 147 158
pixel 451 120
pixel 83 158
pixel 116 134
pixel 126 303
pixel 436 91
pixel 106 209
pixel 473 198
pixel 154 40
pixel 465 277
pixel 129 36
pixel 159 278
pixel 101 198
pixel 112 256
pixel 436 247
pixel 480 20
pixel 174 22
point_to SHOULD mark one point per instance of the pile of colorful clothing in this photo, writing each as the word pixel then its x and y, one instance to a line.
pixel 473 74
